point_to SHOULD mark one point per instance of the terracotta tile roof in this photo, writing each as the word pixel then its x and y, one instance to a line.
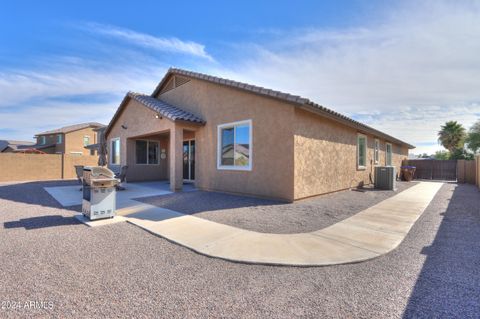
pixel 174 113
pixel 286 97
pixel 169 111
pixel 71 128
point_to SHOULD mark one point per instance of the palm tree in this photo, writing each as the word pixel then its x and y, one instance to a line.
pixel 452 136
pixel 473 137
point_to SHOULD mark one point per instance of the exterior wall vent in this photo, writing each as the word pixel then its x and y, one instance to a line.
pixel 180 80
pixel 169 86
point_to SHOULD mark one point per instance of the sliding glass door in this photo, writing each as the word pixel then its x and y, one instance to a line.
pixel 189 160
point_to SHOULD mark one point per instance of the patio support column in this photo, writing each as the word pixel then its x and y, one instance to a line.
pixel 176 159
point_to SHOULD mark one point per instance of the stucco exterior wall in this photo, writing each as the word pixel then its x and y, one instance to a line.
pixel 296 154
pixel 74 141
pixel 69 162
pixel 139 122
pixel 326 156
pixel 272 157
pixel 144 172
pixel 31 167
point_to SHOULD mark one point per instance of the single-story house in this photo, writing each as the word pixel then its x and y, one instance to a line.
pixel 234 137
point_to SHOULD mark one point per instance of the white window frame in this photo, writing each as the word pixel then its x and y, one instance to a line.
pixel 376 151
pixel 43 140
pixel 119 150
pixel 386 154
pixel 87 136
pixel 362 167
pixel 250 149
pixel 148 142
pixel 59 139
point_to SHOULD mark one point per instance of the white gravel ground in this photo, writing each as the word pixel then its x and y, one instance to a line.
pixel 122 271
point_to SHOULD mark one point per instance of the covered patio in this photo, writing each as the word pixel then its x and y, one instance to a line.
pixel 162 156
pixel 155 140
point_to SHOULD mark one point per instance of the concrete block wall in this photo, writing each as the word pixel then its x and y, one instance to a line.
pixel 16 167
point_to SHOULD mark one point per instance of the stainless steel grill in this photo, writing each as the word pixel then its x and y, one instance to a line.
pixel 99 193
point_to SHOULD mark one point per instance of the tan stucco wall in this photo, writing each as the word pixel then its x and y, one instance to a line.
pixel 296 154
pixel 74 140
pixel 326 156
pixel 139 122
pixel 29 167
pixel 144 172
pixel 272 166
pixel 71 142
pixel 71 160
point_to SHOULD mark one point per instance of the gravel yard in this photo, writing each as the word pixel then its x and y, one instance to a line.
pixel 272 216
pixel 122 271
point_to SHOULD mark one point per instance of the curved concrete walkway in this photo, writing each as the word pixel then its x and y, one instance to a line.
pixel 366 235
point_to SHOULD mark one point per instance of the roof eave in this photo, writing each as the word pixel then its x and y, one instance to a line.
pixel 196 123
pixel 317 109
pixel 117 114
pixel 123 104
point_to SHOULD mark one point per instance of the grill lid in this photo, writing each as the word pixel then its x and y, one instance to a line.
pixel 97 172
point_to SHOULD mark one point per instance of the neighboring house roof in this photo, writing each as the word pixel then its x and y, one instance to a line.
pixel 71 128
pixel 4 144
pixel 164 109
pixel 299 101
pixel 35 146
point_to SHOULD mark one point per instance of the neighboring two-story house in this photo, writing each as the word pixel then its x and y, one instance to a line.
pixel 70 139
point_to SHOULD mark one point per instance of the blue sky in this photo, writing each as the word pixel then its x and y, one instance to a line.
pixel 404 67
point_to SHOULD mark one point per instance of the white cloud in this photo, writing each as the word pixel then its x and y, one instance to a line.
pixel 64 92
pixel 421 62
pixel 171 44
pixel 32 96
pixel 76 77
pixel 421 124
pixel 405 74
pixel 49 115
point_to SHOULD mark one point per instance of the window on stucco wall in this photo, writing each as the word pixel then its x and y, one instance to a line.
pixel 388 154
pixel 377 151
pixel 115 151
pixel 146 152
pixel 235 146
pixel 361 151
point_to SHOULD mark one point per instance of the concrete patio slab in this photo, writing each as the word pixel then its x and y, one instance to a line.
pixel 66 195
pixel 99 222
pixel 71 195
pixel 366 235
